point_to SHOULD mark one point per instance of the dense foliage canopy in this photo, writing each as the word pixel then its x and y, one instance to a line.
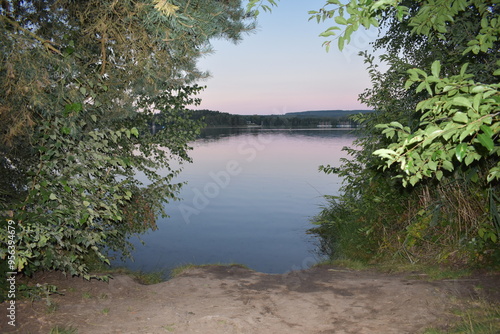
pixel 81 83
pixel 435 132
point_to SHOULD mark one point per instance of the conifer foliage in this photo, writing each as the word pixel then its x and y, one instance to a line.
pixel 82 85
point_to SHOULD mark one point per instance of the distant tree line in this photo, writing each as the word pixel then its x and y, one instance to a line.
pixel 214 119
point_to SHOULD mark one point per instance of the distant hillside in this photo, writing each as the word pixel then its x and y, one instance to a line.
pixel 326 113
pixel 303 119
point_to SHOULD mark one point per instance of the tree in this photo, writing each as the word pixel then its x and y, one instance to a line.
pixel 459 122
pixel 82 83
pixel 435 128
pixel 434 132
pixel 460 116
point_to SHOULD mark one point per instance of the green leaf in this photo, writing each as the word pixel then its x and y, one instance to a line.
pixel 448 165
pixel 481 232
pixel 134 131
pixel 460 117
pixel 462 101
pixel 493 237
pixel 340 20
pixel 487 130
pixel 436 68
pixel 52 196
pixel 341 42
pixel 432 165
pixel 464 69
pixel 478 89
pixel 385 153
pixel 477 101
pixel 396 125
pixel 72 107
pixel 461 151
pixel 486 141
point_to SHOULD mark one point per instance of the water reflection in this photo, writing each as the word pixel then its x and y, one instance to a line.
pixel 210 134
pixel 249 199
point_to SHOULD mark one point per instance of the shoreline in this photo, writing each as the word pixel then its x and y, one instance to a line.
pixel 231 299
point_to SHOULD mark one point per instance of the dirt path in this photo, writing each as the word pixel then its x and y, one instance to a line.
pixel 236 300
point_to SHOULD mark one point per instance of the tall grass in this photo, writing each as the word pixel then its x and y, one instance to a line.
pixel 476 317
pixel 448 223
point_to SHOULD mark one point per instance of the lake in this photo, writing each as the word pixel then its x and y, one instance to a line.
pixel 250 197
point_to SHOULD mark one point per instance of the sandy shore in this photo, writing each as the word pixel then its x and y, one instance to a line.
pixel 221 299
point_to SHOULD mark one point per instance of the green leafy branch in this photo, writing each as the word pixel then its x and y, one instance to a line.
pixel 352 15
pixel 459 123
pixel 254 5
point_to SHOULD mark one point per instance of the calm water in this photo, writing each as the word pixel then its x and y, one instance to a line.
pixel 249 199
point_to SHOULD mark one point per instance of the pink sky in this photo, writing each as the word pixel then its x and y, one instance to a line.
pixel 284 68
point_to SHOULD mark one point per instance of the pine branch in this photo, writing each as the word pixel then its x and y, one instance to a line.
pixel 44 42
pixel 103 53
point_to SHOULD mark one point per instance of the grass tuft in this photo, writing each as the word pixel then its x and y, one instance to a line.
pixel 63 330
pixel 150 278
pixel 179 270
pixel 476 317
pixel 146 278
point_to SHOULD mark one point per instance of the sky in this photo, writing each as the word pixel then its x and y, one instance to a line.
pixel 282 67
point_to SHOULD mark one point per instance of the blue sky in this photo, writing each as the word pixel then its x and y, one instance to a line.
pixel 283 67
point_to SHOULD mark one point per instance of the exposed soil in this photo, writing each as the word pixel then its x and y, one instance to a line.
pixel 220 299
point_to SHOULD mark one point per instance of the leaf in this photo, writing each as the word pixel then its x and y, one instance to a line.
pixel 493 237
pixel 340 20
pixel 341 42
pixel 432 165
pixel 72 107
pixel 462 101
pixel 436 68
pixel 461 151
pixel 460 117
pixel 448 165
pixel 396 125
pixel 464 69
pixel 134 131
pixel 408 83
pixel 487 130
pixel 486 141
pixel 478 89
pixel 481 232
pixel 385 153
pixel 477 101
pixel 52 196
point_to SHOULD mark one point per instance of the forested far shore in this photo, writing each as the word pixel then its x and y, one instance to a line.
pixel 305 119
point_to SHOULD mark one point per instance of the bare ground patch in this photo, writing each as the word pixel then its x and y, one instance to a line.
pixel 221 299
